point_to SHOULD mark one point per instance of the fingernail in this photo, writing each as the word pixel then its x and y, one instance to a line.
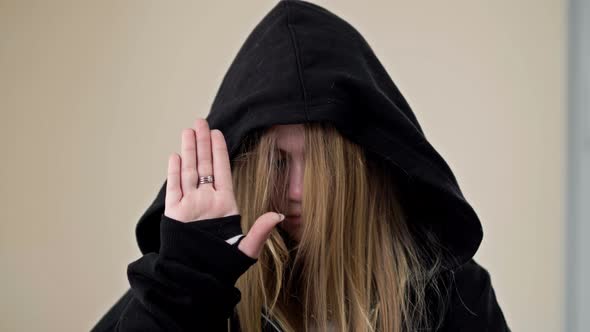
pixel 281 216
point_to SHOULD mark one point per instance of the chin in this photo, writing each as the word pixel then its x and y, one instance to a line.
pixel 291 231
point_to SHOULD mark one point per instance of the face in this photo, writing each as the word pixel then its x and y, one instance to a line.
pixel 290 141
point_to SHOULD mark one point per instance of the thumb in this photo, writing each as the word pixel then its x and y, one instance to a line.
pixel 253 242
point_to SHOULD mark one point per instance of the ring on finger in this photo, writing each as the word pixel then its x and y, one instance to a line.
pixel 206 179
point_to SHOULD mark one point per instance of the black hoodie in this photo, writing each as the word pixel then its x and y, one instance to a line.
pixel 301 63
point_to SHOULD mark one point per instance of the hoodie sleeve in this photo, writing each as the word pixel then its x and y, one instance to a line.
pixel 473 305
pixel 187 286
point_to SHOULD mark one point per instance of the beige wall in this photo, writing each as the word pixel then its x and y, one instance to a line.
pixel 93 98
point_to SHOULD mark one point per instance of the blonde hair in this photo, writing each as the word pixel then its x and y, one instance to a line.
pixel 357 263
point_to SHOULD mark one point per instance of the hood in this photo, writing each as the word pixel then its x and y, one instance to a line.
pixel 302 63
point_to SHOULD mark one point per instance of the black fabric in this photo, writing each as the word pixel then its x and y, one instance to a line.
pixel 473 305
pixel 301 64
pixel 188 285
pixel 223 228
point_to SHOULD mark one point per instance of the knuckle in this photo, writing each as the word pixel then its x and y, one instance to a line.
pixel 173 172
pixel 206 159
pixel 220 147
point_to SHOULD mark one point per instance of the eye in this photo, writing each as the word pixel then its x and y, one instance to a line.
pixel 281 162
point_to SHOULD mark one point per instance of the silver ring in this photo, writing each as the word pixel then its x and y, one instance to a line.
pixel 206 179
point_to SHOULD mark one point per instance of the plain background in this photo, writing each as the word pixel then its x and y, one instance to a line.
pixel 94 95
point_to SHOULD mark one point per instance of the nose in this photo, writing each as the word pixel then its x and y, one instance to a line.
pixel 296 181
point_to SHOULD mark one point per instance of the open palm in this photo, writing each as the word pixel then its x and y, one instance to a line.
pixel 204 152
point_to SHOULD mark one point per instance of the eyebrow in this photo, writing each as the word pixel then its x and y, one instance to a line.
pixel 278 144
pixel 282 151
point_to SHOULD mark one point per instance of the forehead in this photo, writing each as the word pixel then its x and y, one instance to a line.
pixel 289 136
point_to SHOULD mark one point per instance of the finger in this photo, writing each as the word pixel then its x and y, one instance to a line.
pixel 188 172
pixel 221 164
pixel 173 190
pixel 253 242
pixel 204 158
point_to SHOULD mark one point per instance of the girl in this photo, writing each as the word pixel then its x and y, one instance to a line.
pixel 309 199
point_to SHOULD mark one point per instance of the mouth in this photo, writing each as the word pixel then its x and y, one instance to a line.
pixel 295 219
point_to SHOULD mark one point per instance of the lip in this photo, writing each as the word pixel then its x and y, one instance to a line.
pixel 295 219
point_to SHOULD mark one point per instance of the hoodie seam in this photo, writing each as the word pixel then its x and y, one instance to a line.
pixel 293 38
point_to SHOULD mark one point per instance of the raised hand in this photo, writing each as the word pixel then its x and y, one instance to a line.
pixel 204 152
